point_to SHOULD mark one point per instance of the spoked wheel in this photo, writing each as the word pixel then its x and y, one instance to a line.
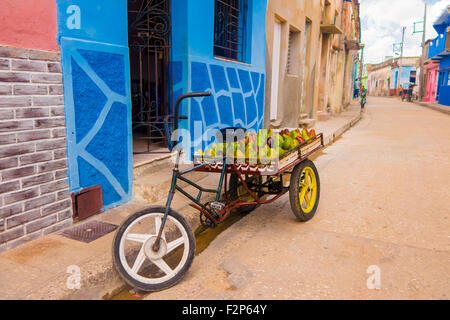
pixel 304 191
pixel 237 191
pixel 134 258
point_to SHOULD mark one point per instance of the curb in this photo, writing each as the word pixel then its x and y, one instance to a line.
pixel 332 137
pixel 435 108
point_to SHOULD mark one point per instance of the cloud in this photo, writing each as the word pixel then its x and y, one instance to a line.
pixel 382 22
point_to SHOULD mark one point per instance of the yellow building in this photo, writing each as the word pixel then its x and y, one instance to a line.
pixel 312 48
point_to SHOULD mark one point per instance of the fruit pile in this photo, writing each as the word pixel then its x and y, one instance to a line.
pixel 262 145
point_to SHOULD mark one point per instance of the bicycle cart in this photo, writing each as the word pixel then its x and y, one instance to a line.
pixel 154 248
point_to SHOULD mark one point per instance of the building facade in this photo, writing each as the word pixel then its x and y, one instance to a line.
pixel 439 51
pixel 83 83
pixel 312 53
pixel 34 188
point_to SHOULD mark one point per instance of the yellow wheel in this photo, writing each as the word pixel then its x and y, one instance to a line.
pixel 304 191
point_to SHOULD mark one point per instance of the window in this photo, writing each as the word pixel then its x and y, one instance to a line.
pixel 230 29
pixel 292 64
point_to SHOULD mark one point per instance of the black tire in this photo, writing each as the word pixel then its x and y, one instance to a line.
pixel 295 189
pixel 146 287
pixel 234 184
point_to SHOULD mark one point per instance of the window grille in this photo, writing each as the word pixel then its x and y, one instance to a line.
pixel 230 24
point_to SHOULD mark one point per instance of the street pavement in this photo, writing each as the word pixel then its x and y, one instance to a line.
pixel 381 230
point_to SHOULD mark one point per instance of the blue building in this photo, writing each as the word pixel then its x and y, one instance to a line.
pixel 126 62
pixel 439 50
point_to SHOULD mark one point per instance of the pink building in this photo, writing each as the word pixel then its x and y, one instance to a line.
pixel 431 77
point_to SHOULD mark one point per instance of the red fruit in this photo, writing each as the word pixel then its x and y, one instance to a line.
pixel 300 139
pixel 312 133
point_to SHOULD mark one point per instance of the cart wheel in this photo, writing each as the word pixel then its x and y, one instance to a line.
pixel 138 264
pixel 237 191
pixel 304 191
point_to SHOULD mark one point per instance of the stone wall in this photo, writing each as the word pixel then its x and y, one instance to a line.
pixel 34 190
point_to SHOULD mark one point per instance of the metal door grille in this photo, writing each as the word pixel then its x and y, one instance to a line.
pixel 150 44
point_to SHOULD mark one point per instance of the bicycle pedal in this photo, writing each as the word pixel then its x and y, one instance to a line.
pixel 217 206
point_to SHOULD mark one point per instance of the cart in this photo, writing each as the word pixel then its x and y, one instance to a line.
pixel 154 248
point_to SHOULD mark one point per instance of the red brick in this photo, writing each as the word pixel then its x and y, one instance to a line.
pixel 20 241
pixel 14 77
pixel 36 158
pixel 6 114
pixel 54 67
pixel 54 186
pixel 50 166
pixel 58 133
pixel 11 210
pixel 23 218
pixel 56 207
pixel 21 195
pixel 49 123
pixel 59 154
pixel 51 144
pixel 61 195
pixel 11 234
pixel 56 227
pixel 61 174
pixel 46 78
pixel 5 89
pixel 7 138
pixel 57 111
pixel 14 102
pixel 33 135
pixel 44 55
pixel 15 150
pixel 67 214
pixel 26 113
pixel 11 52
pixel 30 89
pixel 26 65
pixel 8 163
pixel 48 101
pixel 39 202
pixel 9 186
pixel 40 179
pixel 18 173
pixel 4 64
pixel 41 223
pixel 55 90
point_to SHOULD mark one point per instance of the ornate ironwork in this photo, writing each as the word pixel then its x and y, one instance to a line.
pixel 149 35
pixel 229 28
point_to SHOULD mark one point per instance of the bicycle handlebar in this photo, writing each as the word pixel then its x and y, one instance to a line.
pixel 177 106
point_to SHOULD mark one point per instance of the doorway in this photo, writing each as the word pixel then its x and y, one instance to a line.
pixel 149 40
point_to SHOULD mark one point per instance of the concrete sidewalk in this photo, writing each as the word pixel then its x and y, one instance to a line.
pixel 434 106
pixel 44 268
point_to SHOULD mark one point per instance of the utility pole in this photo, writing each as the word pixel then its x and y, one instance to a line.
pixel 422 60
pixel 399 84
pixel 362 63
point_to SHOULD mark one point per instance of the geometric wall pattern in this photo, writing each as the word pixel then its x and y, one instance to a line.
pixel 237 98
pixel 98 120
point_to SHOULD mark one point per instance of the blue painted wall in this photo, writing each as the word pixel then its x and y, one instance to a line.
pixel 443 81
pixel 94 48
pixel 404 79
pixel 95 57
pixel 237 88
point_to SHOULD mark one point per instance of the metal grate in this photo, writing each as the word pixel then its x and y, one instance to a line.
pixel 230 26
pixel 89 231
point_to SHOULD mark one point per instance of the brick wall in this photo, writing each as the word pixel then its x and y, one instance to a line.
pixel 34 190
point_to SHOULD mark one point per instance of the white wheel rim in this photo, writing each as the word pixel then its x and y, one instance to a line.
pixel 141 257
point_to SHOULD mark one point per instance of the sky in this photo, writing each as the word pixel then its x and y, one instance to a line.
pixel 382 22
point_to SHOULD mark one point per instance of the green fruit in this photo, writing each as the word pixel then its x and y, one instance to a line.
pixel 288 141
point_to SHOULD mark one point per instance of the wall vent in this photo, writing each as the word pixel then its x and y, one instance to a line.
pixel 87 202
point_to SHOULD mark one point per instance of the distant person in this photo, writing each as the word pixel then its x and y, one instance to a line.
pixel 357 87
